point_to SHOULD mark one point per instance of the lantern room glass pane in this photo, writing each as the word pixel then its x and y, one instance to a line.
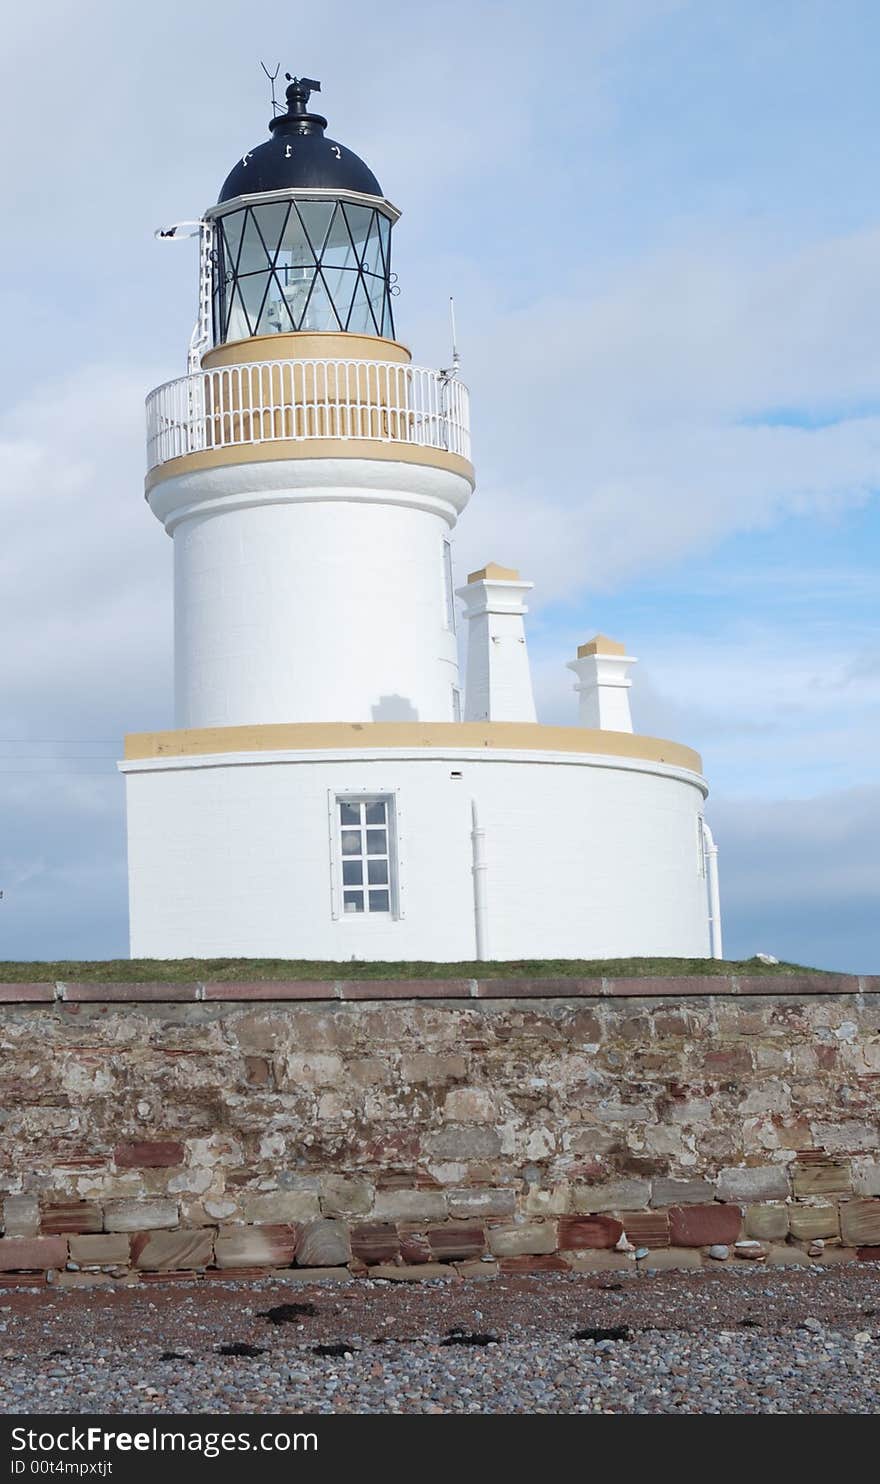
pixel 339 250
pixel 316 217
pixel 271 222
pixel 252 257
pixel 302 265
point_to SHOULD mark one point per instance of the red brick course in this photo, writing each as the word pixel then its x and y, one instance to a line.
pixel 576 1232
pixel 19 1254
pixel 148 1154
pixel 704 1226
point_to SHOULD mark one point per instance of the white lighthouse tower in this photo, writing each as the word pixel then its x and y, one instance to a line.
pixel 328 793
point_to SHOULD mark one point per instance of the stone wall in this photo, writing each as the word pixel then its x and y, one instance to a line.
pixel 420 1129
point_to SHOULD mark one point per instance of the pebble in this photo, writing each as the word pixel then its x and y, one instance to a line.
pixel 719 1251
pixel 686 1351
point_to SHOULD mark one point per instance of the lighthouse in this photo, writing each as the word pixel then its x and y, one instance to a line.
pixel 331 789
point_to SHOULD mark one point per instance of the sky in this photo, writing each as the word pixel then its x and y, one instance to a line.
pixel 660 223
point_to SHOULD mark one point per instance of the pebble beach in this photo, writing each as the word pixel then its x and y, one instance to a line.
pixel 740 1339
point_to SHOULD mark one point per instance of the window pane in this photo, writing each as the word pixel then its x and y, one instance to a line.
pixel 380 901
pixel 351 842
pixel 377 842
pixel 360 316
pixel 295 250
pixel 377 873
pixel 253 257
pixel 376 812
pixel 385 235
pixel 353 873
pixel 353 901
pixel 360 219
pixel 349 813
pixel 283 305
pixel 315 217
pixel 252 288
pixel 270 220
pixel 376 291
pixel 232 227
pixel 319 313
pixel 371 256
pixel 338 251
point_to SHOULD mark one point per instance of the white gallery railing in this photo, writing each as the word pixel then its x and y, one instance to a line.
pixel 271 401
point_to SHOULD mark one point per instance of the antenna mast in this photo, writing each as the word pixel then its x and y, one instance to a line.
pixel 272 76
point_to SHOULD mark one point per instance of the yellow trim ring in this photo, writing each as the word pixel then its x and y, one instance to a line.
pixel 333 736
pixel 311 448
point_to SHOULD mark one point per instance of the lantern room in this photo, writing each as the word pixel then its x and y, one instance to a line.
pixel 301 236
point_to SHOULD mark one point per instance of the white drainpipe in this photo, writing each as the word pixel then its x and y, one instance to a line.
pixel 714 894
pixel 479 870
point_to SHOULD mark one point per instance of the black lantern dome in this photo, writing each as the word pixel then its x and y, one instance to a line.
pixel 299 244
pixel 299 156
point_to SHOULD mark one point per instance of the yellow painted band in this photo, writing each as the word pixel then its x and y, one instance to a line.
pixel 306 345
pixel 311 448
pixel 342 735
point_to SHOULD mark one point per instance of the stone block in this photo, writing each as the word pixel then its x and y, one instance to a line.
pixel 704 1226
pixel 375 1242
pixel 148 1154
pixel 523 1241
pixel 414 1246
pixel 866 1176
pixel 576 1232
pixel 345 1195
pixel 103 1249
pixel 809 1222
pixel 475 1141
pixel 71 1216
pixel 21 1216
pixel 850 1136
pixel 548 1262
pixel 174 1251
pixel 281 1207
pixel 821 1177
pixel 681 1192
pixel 137 1216
pixel 456 1241
pixel 599 1262
pixel 670 1259
pixel 435 1070
pixel 313 1069
pixel 629 1195
pixel 255 1246
pixel 409 1205
pixel 27 1253
pixel 753 1183
pixel 323 1244
pixel 767 1223
pixel 477 1272
pixel 469 1105
pixel 868 1254
pixel 419 1274
pixel 646 1228
pixel 860 1223
pixel 481 1202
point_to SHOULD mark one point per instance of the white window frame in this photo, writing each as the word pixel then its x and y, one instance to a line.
pixel 456 703
pixel 388 796
pixel 701 847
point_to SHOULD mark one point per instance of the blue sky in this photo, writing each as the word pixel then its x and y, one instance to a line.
pixel 660 223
